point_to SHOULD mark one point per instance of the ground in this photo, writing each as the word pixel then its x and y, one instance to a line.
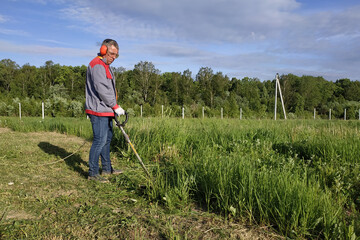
pixel 45 194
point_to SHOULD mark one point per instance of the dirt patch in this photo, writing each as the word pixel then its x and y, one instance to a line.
pixel 18 215
pixel 5 130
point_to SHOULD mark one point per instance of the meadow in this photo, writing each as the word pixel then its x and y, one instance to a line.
pixel 300 178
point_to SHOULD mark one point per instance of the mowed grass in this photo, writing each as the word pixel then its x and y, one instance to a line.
pixel 301 178
pixel 44 196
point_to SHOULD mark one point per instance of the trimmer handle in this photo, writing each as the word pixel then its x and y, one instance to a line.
pixel 124 122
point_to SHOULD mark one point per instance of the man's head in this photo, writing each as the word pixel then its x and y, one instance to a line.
pixel 109 50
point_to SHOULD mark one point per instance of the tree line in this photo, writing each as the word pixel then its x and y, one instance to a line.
pixel 61 88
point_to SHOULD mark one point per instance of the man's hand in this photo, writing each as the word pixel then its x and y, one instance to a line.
pixel 119 111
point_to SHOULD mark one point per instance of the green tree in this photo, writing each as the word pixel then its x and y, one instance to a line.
pixel 144 72
pixel 353 93
pixel 72 78
pixel 156 94
pixel 187 88
pixel 76 85
pixel 172 87
pixel 204 78
pixel 231 107
pixel 8 71
pixel 349 90
pixel 306 93
pixel 248 93
pixel 220 85
pixel 28 80
pixel 123 86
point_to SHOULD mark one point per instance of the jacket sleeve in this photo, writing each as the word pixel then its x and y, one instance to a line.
pixel 104 86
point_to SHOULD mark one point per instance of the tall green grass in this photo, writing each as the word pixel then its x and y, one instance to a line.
pixel 300 177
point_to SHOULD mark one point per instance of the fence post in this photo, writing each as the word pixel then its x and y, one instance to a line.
pixel 183 113
pixel 345 114
pixel 241 113
pixel 42 110
pixel 203 112
pixel 314 112
pixel 276 86
pixel 221 113
pixel 20 110
pixel 330 114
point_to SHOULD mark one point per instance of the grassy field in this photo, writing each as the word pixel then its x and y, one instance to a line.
pixel 300 179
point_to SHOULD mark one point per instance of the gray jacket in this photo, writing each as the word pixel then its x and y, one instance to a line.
pixel 100 89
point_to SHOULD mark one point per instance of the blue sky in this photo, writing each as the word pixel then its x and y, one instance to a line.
pixel 239 38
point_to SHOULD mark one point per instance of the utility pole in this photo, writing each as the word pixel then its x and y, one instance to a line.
pixel 277 85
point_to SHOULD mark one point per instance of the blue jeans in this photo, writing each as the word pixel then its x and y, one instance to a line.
pixel 103 132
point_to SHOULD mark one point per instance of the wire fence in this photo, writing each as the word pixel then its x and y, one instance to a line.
pixel 167 111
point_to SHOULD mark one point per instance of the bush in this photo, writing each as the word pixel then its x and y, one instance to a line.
pixel 76 108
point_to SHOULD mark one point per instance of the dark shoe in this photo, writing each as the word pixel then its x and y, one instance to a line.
pixel 98 178
pixel 114 172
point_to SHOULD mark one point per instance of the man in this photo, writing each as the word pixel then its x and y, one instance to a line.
pixel 101 107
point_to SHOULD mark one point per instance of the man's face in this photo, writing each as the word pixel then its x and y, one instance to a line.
pixel 111 55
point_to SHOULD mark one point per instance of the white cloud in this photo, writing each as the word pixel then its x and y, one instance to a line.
pixel 6 31
pixel 214 21
pixel 3 19
pixel 54 41
pixel 209 21
pixel 7 47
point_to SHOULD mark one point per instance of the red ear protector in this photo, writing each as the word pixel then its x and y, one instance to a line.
pixel 103 50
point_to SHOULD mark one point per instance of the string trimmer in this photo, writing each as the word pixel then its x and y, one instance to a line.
pixel 121 126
